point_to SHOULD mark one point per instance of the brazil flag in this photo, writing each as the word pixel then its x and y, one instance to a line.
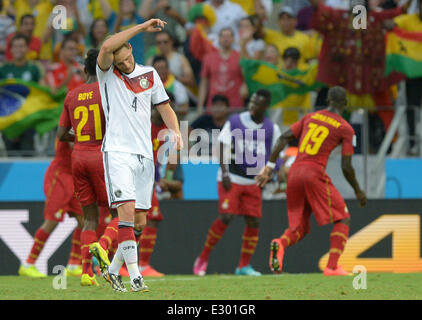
pixel 25 105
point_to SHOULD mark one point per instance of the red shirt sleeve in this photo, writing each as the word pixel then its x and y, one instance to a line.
pixel 348 143
pixel 205 71
pixel 65 117
pixel 297 127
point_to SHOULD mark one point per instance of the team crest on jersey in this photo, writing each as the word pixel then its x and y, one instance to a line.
pixel 118 193
pixel 225 204
pixel 144 83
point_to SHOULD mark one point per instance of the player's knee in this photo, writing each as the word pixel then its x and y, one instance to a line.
pixel 140 226
pixel 225 218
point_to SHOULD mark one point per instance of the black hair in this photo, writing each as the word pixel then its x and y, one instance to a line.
pixel 18 36
pixel 66 39
pixel 26 16
pixel 226 29
pixel 158 59
pixel 91 61
pixel 220 98
pixel 291 52
pixel 94 42
pixel 1 5
pixel 264 94
pixel 337 97
pixel 254 20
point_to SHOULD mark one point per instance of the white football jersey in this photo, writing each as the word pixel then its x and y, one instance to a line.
pixel 127 100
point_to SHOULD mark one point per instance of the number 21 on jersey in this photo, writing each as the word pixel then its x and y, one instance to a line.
pixel 83 112
pixel 313 139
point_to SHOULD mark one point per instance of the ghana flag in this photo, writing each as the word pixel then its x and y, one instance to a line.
pixel 404 53
pixel 281 84
pixel 25 105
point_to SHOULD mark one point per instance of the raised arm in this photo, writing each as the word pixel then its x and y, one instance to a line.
pixel 105 57
pixel 267 171
pixel 349 174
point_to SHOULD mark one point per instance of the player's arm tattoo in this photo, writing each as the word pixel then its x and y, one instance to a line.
pixel 281 143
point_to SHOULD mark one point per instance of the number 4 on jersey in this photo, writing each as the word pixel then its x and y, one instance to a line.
pixel 134 104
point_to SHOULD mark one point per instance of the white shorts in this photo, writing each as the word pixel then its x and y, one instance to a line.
pixel 128 177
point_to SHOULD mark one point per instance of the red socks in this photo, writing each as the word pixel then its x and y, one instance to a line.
pixel 250 240
pixel 75 253
pixel 147 244
pixel 87 237
pixel 110 234
pixel 290 237
pixel 338 239
pixel 125 234
pixel 214 235
pixel 40 239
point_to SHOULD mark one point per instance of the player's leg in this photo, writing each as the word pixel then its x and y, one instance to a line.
pixel 249 243
pixel 74 264
pixel 329 207
pixel 227 207
pixel 251 207
pixel 338 240
pixel 148 240
pixel 298 211
pixel 41 236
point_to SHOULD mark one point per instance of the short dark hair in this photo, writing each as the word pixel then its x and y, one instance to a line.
pixel 26 16
pixel 91 61
pixel 264 94
pixel 291 52
pixel 226 29
pixel 337 97
pixel 67 39
pixel 18 36
pixel 1 5
pixel 220 98
pixel 158 59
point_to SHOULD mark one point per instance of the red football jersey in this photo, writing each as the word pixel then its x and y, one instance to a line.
pixel 83 112
pixel 156 143
pixel 319 133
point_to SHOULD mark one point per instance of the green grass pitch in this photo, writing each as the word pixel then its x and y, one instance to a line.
pixel 224 287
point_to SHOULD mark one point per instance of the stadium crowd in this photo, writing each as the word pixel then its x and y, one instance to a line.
pixel 204 55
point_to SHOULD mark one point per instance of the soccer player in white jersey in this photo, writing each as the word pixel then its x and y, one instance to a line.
pixel 127 91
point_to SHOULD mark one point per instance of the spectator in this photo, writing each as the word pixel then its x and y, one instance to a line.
pixel 217 117
pixel 294 105
pixel 412 23
pixel 26 27
pixel 80 46
pixel 20 67
pixel 97 34
pixel 252 46
pixel 178 64
pixel 288 36
pixel 7 27
pixel 127 17
pixel 67 73
pixel 229 15
pixel 355 59
pixel 221 74
pixel 41 10
pixel 271 55
pixel 73 24
pixel 172 85
pixel 296 5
